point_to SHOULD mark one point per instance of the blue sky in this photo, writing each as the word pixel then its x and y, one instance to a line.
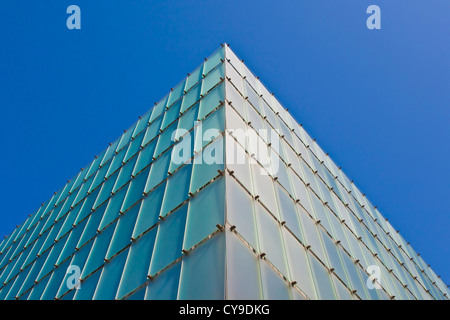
pixel 377 100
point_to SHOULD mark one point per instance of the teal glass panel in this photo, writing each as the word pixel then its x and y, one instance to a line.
pixel 105 191
pixel 55 280
pixel 78 181
pixel 13 286
pixel 113 208
pixel 166 139
pixel 145 157
pixel 38 289
pixel 109 153
pixel 4 291
pixel 138 261
pixel 83 192
pixel 33 272
pixel 171 115
pixel 211 101
pixel 240 212
pixel 177 189
pixel 194 77
pixel 88 287
pixel 18 250
pixel 176 93
pixel 165 285
pixel 182 152
pixel 159 108
pixel 34 250
pixel 92 225
pixel 187 121
pixel 191 98
pixel 78 260
pixel 203 271
pixel 109 280
pixel 95 164
pixel 213 78
pixel 206 210
pixel 270 240
pixel 59 212
pixel 69 221
pixel 116 162
pixel 274 287
pixel 216 58
pixel 5 273
pixel 52 233
pixel 122 234
pixel 99 177
pixel 67 188
pixel 207 164
pixel 152 131
pixel 136 189
pixel 243 274
pixel 126 137
pixel 50 262
pixel 87 206
pixel 209 129
pixel 169 240
pixel 138 294
pixel 142 123
pixel 149 211
pixel 125 174
pixel 18 263
pixel 158 171
pixel 98 252
pixel 69 247
pixel 134 147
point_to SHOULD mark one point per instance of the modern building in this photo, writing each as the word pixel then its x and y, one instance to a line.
pixel 214 193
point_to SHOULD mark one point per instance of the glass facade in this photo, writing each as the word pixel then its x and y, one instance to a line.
pixel 215 193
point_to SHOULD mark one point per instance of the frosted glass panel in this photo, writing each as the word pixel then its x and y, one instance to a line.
pixel 240 212
pixel 203 271
pixel 138 260
pixel 169 240
pixel 243 273
pixel 206 210
pixel 271 244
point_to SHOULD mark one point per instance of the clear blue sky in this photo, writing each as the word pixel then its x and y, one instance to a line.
pixel 377 100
